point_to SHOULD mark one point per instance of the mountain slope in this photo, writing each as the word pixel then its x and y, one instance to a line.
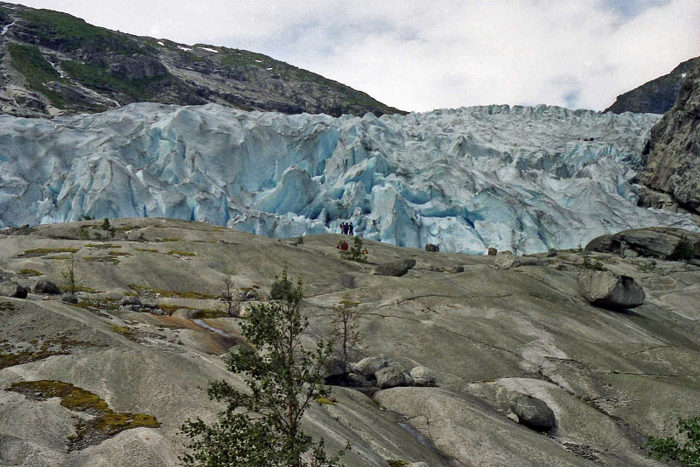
pixel 521 178
pixel 53 63
pixel 672 162
pixel 656 96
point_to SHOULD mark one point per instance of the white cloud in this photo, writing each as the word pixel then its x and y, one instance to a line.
pixel 420 55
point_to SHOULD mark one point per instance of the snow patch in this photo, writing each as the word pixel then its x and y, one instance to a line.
pixel 209 50
pixel 186 49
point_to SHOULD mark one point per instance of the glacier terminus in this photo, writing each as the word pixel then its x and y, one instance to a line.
pixel 516 178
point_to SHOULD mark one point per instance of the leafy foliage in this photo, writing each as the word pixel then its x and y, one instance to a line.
pixel 262 427
pixel 70 276
pixel 686 451
pixel 36 70
pixel 683 250
pixel 357 251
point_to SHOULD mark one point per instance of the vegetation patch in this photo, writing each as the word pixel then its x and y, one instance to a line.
pixel 145 290
pixel 397 463
pixel 123 330
pixel 37 71
pixel 181 253
pixel 103 259
pixel 59 257
pixel 7 306
pixel 47 251
pixel 209 314
pixel 30 272
pixel 325 401
pixel 171 239
pixel 594 264
pixel 103 246
pixel 105 424
pixel 149 250
pixel 97 77
pixel 80 288
pixel 48 348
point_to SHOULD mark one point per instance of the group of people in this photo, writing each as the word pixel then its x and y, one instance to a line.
pixel 347 228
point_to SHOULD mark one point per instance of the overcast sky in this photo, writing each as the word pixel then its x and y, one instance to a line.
pixel 420 55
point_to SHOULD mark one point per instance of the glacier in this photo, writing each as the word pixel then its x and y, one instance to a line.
pixel 515 178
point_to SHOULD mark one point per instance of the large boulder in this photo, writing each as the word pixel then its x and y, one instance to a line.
pixel 422 376
pixel 609 290
pixel 534 413
pixel 654 242
pixel 392 376
pixel 46 287
pixel 10 288
pixel 369 366
pixel 396 269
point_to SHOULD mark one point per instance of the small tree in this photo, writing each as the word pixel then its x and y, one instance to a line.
pixel 687 453
pixel 344 321
pixel 356 252
pixel 229 295
pixel 106 225
pixel 69 275
pixel 262 427
pixel 683 251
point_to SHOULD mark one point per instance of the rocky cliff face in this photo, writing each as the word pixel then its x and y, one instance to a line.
pixel 656 96
pixel 52 63
pixel 672 171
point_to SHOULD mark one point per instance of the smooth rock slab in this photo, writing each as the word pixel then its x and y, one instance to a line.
pixel 609 290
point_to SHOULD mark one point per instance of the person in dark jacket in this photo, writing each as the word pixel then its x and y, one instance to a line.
pixel 351 229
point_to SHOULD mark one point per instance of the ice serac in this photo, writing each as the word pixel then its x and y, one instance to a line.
pixel 518 178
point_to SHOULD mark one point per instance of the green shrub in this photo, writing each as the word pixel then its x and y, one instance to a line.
pixel 683 250
pixel 37 71
pixel 357 252
pixel 594 264
pixel 686 451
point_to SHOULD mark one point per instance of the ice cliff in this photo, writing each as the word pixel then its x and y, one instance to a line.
pixel 519 178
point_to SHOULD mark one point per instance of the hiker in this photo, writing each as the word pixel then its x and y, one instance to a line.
pixel 342 227
pixel 346 228
pixel 344 246
pixel 350 229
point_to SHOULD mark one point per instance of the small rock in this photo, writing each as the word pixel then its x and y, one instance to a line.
pixel 422 376
pixel 335 366
pixel 370 365
pixel 609 290
pixel 10 288
pixel 418 464
pixel 507 262
pixel 357 380
pixel 492 251
pixel 130 300
pixel 456 269
pixel 551 253
pixel 513 416
pixel 534 413
pixel 69 298
pixel 149 303
pixel 392 376
pixel 46 287
pixel 432 248
pixel 397 269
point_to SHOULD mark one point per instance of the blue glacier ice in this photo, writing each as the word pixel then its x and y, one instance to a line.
pixel 518 178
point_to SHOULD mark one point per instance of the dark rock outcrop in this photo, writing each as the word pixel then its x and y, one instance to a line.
pixel 672 156
pixel 656 96
pixel 609 290
pixel 651 242
pixel 396 269
pixel 534 413
pixel 46 287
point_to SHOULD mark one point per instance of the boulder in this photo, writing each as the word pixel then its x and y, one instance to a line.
pixel 432 248
pixel 492 251
pixel 46 287
pixel 185 313
pixel 456 269
pixel 534 413
pixel 369 366
pixel 357 380
pixel 507 261
pixel 392 376
pixel 551 253
pixel 335 367
pixel 130 300
pixel 396 269
pixel 9 288
pixel 609 290
pixel 149 303
pixel 653 242
pixel 69 298
pixel 422 376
